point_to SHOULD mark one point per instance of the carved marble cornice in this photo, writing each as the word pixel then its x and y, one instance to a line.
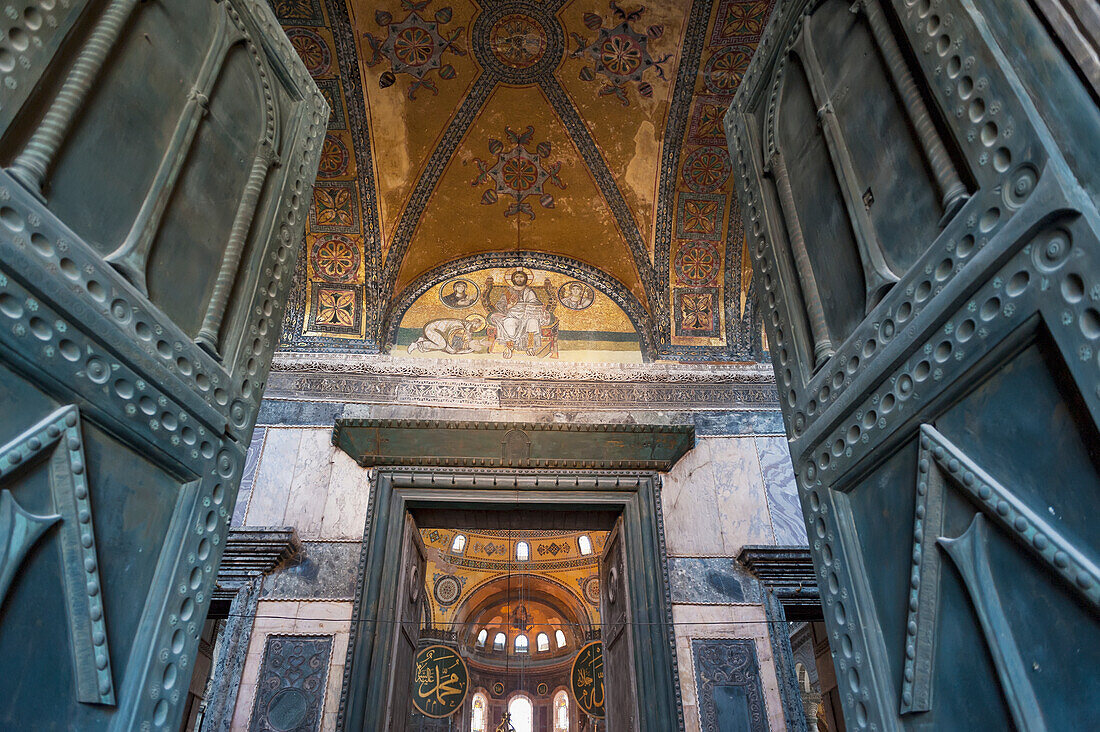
pixel 648 373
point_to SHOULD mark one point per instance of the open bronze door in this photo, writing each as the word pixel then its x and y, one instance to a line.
pixel 919 182
pixel 157 165
pixel 407 611
pixel 620 702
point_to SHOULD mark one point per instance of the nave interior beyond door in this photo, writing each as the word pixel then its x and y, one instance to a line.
pixel 510 624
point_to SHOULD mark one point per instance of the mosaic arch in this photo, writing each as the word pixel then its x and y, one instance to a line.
pixel 583 129
pixel 475 308
pixel 460 583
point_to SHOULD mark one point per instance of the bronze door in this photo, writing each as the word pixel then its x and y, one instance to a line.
pixel 617 632
pixel 407 607
pixel 919 183
pixel 157 165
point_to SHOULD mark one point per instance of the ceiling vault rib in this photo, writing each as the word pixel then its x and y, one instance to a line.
pixel 605 181
pixel 426 184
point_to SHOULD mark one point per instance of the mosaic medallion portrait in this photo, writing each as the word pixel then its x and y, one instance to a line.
pixel 459 294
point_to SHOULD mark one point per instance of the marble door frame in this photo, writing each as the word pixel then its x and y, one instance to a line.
pixel 633 495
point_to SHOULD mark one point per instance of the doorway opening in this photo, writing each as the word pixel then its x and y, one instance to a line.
pixel 542 598
pixel 518 607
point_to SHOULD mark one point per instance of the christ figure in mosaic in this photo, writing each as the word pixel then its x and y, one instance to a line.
pixel 520 316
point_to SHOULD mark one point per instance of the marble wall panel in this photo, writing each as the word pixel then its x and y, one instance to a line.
pixel 309 490
pixel 710 580
pixel 248 476
pixel 705 622
pixel 323 570
pixel 692 524
pixel 348 498
pixel 727 685
pixel 783 503
pixel 738 422
pixel 739 491
pixel 274 478
pixel 292 683
pixel 303 413
pixel 331 619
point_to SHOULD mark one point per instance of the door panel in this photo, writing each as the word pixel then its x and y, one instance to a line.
pixel 407 612
pixel 144 263
pixel 946 442
pixel 616 618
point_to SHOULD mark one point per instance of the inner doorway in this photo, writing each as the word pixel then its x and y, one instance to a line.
pixel 521 609
pixel 543 597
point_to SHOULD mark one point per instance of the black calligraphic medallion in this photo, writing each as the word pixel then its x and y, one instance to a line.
pixel 586 679
pixel 440 681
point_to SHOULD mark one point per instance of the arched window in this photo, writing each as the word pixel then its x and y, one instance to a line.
pixel 479 714
pixel 521 643
pixel 559 637
pixel 498 642
pixel 482 637
pixel 459 544
pixel 522 714
pixel 561 712
pixel 584 544
pixel 542 642
pixel 523 551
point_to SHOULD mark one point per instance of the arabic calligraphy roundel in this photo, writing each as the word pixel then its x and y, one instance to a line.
pixel 586 679
pixel 440 682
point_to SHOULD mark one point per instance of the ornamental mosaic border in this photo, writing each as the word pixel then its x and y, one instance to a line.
pixel 650 373
pixel 390 390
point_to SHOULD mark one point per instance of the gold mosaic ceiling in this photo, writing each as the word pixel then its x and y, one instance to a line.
pixel 581 137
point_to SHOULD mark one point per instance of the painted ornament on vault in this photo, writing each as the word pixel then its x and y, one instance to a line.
pixel 697 263
pixel 312 49
pixel 414 46
pixel 518 173
pixel 335 258
pixel 619 53
pixel 517 41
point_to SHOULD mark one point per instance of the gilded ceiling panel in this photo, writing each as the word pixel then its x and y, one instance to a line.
pixel 584 132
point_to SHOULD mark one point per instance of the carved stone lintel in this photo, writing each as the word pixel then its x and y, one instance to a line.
pixel 251 552
pixel 788 572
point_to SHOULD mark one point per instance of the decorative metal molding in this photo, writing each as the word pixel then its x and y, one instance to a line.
pixel 786 571
pixel 403 442
pixel 56 445
pixel 251 552
pixel 725 663
pixel 940 462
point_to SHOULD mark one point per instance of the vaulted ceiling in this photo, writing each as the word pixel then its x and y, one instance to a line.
pixel 575 136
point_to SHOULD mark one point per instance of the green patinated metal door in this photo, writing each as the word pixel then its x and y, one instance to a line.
pixel 157 162
pixel 919 182
pixel 616 673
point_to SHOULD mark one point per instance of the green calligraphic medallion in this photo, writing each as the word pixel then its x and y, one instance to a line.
pixel 586 679
pixel 440 682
